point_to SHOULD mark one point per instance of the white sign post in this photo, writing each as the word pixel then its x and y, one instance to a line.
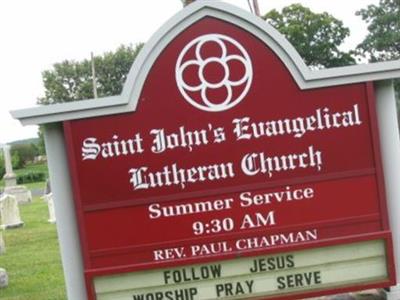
pixel 390 145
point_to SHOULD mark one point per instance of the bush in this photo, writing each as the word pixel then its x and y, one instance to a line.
pixel 31 177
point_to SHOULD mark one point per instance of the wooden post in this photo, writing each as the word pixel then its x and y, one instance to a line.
pixel 93 76
pixel 256 8
pixel 250 6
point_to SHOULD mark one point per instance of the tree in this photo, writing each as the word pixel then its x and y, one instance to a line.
pixel 16 161
pixel 316 36
pixel 41 146
pixel 383 40
pixel 22 154
pixel 72 80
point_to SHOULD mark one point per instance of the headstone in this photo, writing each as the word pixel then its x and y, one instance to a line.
pixel 10 179
pixel 9 212
pixel 3 278
pixel 21 193
pixel 50 204
pixel 2 245
pixel 47 189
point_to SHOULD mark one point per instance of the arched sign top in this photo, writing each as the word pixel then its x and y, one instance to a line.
pixel 221 11
pixel 127 101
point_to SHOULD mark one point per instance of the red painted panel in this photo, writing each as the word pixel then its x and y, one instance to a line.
pixel 273 96
pixel 312 156
pixel 204 250
pixel 317 202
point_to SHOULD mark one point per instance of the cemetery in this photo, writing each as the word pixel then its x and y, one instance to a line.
pixel 28 240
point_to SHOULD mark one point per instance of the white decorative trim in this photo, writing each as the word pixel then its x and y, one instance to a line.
pixel 390 151
pixel 127 101
pixel 202 63
pixel 67 226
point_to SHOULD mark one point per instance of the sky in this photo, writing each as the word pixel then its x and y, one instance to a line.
pixel 36 34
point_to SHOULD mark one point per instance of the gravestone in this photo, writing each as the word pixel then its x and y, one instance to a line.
pixel 9 212
pixel 21 193
pixel 3 278
pixel 2 245
pixel 10 179
pixel 50 204
pixel 47 188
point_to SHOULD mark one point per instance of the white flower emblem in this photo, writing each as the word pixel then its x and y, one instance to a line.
pixel 209 80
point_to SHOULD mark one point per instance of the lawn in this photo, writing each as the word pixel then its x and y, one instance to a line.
pixel 40 167
pixel 32 259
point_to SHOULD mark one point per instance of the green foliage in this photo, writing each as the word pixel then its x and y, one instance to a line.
pixel 32 259
pixel 31 177
pixel 72 80
pixel 33 168
pixel 22 154
pixel 316 36
pixel 25 141
pixel 16 161
pixel 29 169
pixel 41 145
pixel 38 167
pixel 383 40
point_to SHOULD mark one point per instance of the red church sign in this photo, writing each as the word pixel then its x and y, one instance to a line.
pixel 228 166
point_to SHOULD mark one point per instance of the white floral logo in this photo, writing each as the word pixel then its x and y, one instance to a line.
pixel 213 72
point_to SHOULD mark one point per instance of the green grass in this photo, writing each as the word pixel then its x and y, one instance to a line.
pixel 36 185
pixel 41 167
pixel 32 257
